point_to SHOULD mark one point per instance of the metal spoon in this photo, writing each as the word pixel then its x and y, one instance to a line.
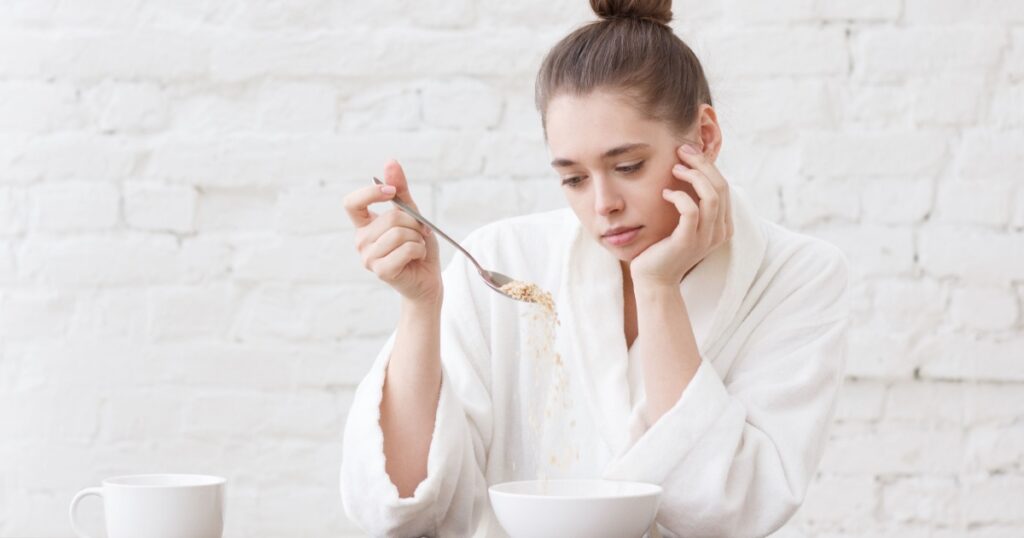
pixel 493 279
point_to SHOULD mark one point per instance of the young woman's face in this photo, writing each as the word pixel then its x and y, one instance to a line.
pixel 613 164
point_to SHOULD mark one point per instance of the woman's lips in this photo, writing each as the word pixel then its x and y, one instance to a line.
pixel 622 238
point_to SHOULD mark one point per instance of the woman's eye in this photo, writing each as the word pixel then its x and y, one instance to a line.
pixel 571 181
pixel 629 168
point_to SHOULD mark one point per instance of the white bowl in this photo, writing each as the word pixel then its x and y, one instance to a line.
pixel 575 508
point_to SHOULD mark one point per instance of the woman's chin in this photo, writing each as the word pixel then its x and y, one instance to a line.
pixel 625 253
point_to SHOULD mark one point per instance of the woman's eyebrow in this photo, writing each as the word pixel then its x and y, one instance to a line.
pixel 618 150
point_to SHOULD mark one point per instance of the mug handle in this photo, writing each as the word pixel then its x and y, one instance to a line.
pixel 74 506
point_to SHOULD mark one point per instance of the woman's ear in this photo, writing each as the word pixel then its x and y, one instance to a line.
pixel 709 133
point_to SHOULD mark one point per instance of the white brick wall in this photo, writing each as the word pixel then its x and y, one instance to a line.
pixel 179 290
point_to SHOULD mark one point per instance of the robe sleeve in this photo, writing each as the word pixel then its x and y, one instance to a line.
pixel 735 457
pixel 451 499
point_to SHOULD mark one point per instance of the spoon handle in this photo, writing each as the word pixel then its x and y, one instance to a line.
pixel 423 219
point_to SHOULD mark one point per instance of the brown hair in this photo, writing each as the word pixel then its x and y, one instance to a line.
pixel 633 50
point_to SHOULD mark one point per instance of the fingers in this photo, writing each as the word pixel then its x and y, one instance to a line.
pixel 698 161
pixel 395 218
pixel 395 176
pixel 357 202
pixel 695 159
pixel 389 241
pixel 390 267
pixel 689 215
pixel 692 158
pixel 709 199
pixel 395 187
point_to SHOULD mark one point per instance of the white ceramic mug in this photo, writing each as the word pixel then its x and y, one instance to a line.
pixel 159 506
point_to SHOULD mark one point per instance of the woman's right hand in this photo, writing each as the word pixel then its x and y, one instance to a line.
pixel 395 246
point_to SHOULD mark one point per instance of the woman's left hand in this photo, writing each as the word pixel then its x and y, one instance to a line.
pixel 700 229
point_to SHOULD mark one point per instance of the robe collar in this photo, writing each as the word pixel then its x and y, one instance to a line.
pixel 590 305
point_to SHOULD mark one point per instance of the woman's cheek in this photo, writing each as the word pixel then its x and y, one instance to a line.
pixel 669 181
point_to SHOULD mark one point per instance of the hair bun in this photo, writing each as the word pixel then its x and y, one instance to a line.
pixel 659 11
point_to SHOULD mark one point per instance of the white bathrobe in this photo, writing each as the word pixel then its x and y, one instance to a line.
pixel 734 455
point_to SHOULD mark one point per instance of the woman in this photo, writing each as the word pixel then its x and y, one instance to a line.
pixel 699 347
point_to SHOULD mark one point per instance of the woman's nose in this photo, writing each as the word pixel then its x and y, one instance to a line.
pixel 606 199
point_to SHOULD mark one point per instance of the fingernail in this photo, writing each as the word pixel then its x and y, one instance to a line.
pixel 388 189
pixel 689 149
pixel 679 168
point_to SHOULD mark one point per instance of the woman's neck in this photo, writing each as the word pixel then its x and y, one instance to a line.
pixel 627 278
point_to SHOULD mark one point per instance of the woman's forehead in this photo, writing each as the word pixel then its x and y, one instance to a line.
pixel 593 107
pixel 592 124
